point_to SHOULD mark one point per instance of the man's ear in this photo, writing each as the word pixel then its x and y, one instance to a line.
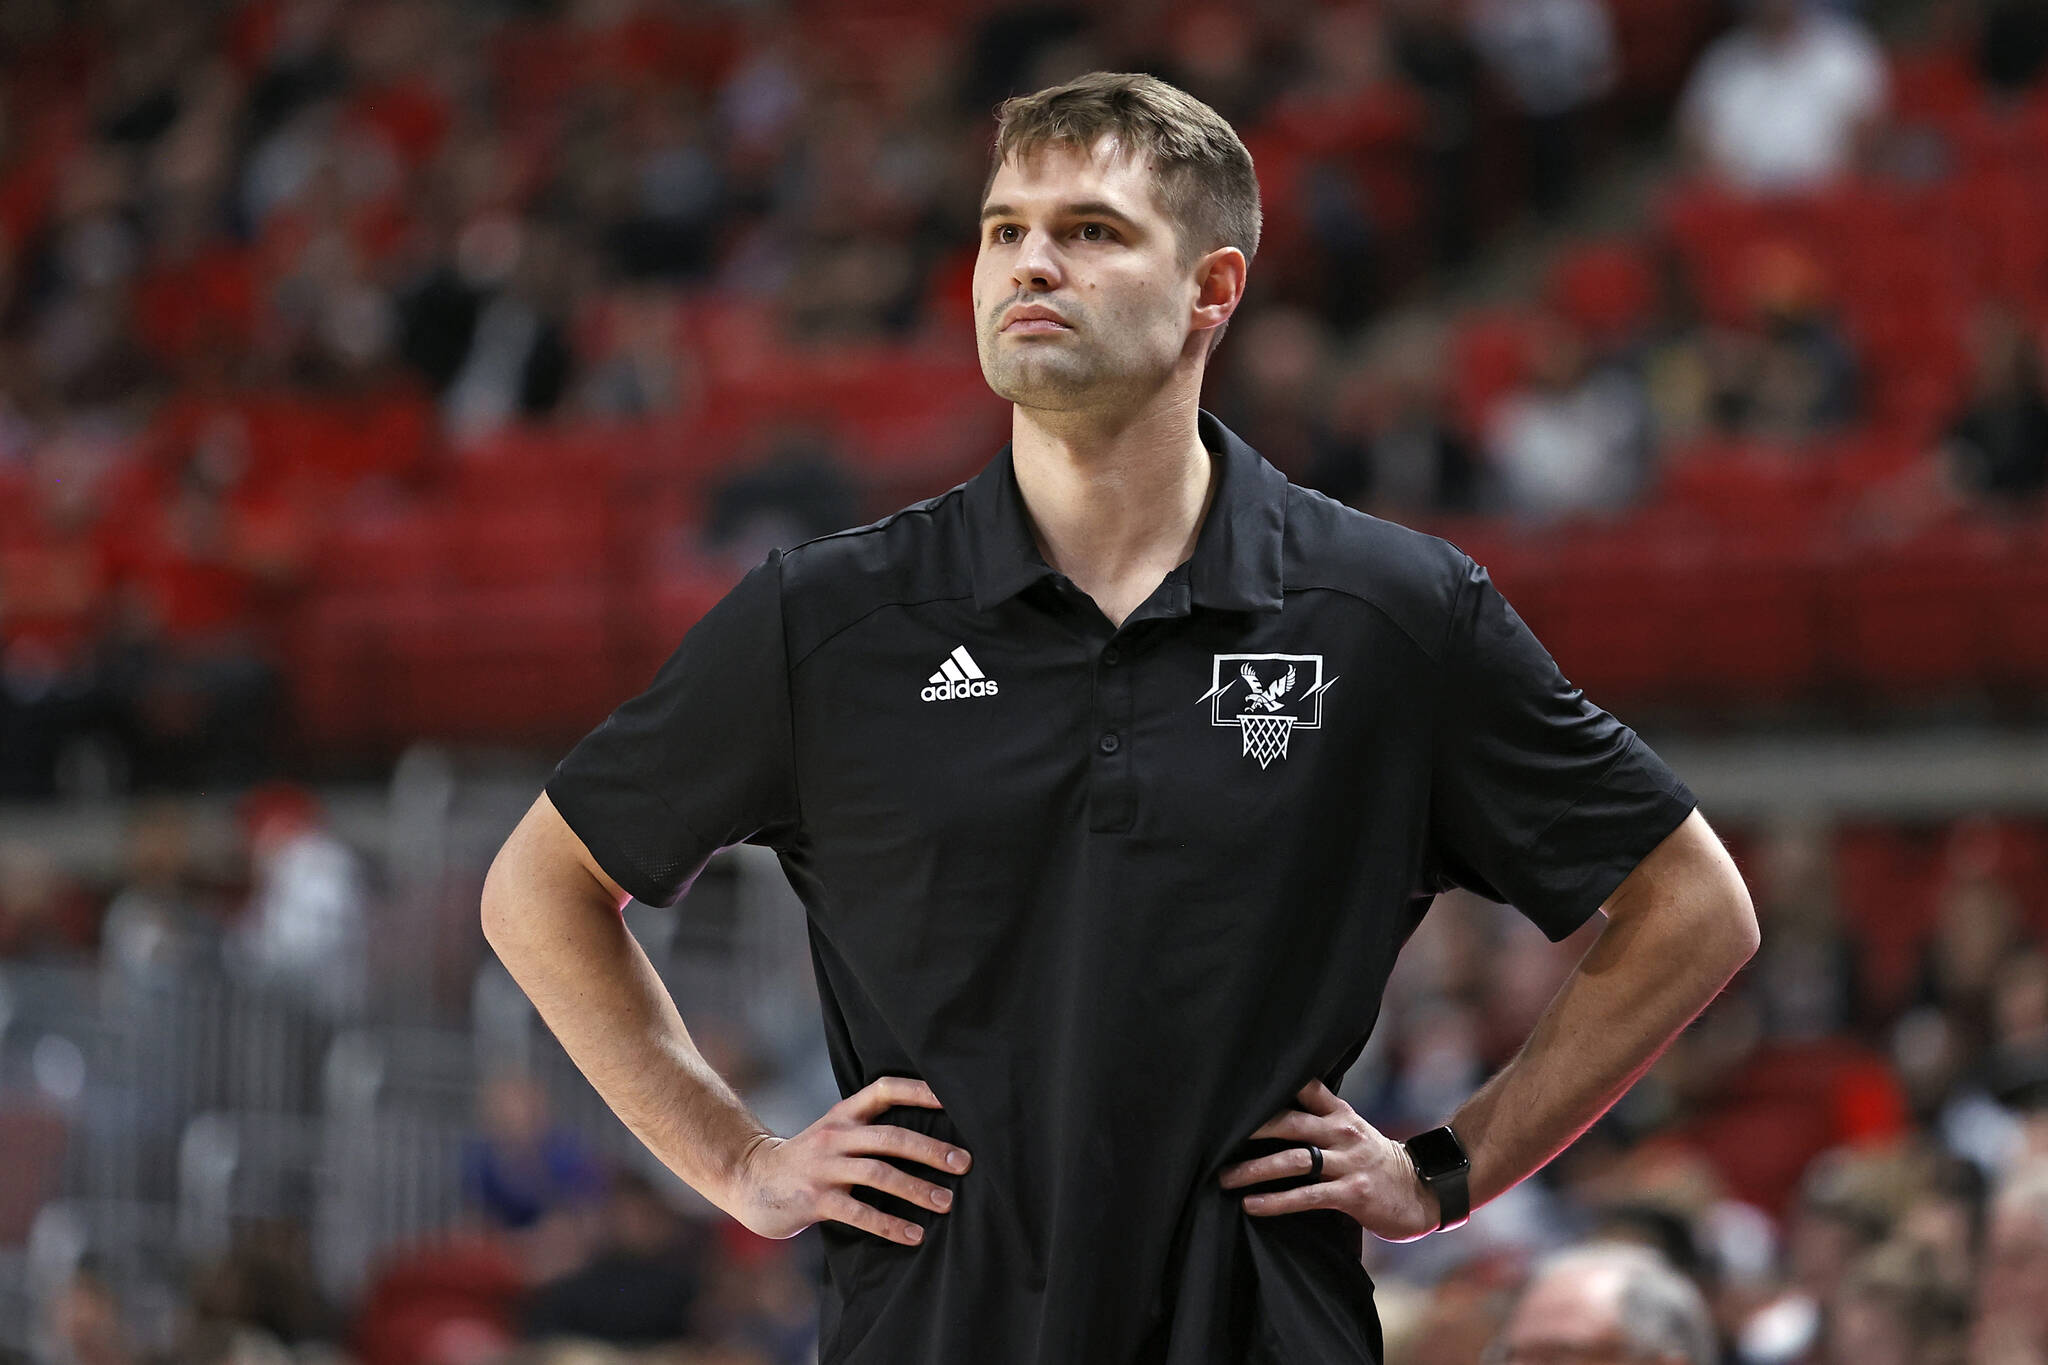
pixel 1220 280
pixel 1219 288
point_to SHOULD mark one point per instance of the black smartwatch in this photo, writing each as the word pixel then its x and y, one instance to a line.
pixel 1439 1158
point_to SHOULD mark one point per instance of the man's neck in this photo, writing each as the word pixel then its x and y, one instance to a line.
pixel 1114 508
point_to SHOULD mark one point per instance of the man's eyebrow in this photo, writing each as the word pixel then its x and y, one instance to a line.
pixel 1079 208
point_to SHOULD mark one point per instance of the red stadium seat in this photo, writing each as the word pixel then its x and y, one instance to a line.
pixel 394 546
pixel 1927 618
pixel 377 672
pixel 1606 288
pixel 559 542
pixel 1933 85
pixel 1490 357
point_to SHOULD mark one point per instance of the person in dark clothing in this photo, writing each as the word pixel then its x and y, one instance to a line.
pixel 1998 445
pixel 1395 452
pixel 1993 454
pixel 641 1287
pixel 2012 45
pixel 799 492
pixel 1112 782
pixel 522 1165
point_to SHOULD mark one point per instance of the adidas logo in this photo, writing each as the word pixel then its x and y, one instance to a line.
pixel 959 678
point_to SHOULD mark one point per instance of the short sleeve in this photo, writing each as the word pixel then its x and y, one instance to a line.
pixel 700 760
pixel 1538 797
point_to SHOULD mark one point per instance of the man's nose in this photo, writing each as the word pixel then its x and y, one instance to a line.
pixel 1036 263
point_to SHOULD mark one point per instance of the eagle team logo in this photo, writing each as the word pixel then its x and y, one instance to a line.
pixel 1267 697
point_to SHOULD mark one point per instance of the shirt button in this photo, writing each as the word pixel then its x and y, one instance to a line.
pixel 1111 657
pixel 1108 743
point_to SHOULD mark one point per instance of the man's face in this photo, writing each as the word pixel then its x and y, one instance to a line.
pixel 1081 234
pixel 1567 1318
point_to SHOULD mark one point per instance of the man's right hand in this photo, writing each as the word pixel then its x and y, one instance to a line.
pixel 780 1186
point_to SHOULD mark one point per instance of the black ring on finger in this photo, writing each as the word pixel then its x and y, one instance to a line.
pixel 1315 1163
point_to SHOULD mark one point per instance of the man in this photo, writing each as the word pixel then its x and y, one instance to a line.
pixel 1112 781
pixel 1785 102
pixel 1607 1302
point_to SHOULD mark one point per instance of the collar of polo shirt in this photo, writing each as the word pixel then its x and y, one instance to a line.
pixel 1236 563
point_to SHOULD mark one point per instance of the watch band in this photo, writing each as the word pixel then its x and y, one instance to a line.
pixel 1440 1161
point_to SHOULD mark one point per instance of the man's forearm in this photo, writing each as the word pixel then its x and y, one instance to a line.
pixel 565 943
pixel 1643 980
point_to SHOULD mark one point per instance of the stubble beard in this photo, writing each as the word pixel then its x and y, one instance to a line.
pixel 1067 382
pixel 1039 381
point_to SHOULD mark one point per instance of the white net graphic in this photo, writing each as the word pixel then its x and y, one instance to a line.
pixel 1265 737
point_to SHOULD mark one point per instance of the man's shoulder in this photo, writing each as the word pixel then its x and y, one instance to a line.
pixel 914 554
pixel 1414 578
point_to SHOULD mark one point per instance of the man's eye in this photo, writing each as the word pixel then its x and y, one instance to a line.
pixel 1001 228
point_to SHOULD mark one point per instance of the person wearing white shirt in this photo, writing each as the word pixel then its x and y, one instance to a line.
pixel 1785 102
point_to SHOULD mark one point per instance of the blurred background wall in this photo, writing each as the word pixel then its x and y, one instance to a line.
pixel 385 386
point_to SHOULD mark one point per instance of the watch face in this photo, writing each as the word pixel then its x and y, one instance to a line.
pixel 1437 1153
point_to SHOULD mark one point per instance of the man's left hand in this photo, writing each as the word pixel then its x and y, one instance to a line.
pixel 1365 1173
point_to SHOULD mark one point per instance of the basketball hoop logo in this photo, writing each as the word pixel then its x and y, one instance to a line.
pixel 1276 699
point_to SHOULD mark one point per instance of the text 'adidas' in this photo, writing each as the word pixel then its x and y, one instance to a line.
pixel 958 679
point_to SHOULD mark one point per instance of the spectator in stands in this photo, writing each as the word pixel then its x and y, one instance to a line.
pixel 2016 1062
pixel 1795 372
pixel 1977 927
pixel 2012 45
pixel 1435 52
pixel 1671 355
pixel 1805 976
pixel 1607 1302
pixel 1996 449
pixel 518 362
pixel 2012 1322
pixel 1392 449
pixel 160 923
pixel 55 716
pixel 1846 1207
pixel 1277 384
pixel 641 365
pixel 642 1286
pixel 305 928
pixel 1947 1215
pixel 759 1298
pixel 258 1303
pixel 1898 1305
pixel 802 490
pixel 1788 101
pixel 86 1323
pixel 522 1165
pixel 45 916
pixel 1343 107
pixel 667 223
pixel 198 569
pixel 1993 454
pixel 1556 59
pixel 1576 438
pixel 1785 374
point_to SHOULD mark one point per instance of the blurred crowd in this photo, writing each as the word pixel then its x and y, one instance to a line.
pixel 265 265
pixel 1845 1157
pixel 562 1251
pixel 1844 1160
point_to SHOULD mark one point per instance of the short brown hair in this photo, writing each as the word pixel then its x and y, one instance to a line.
pixel 1202 174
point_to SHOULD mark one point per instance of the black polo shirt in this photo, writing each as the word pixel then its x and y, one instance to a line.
pixel 1115 893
